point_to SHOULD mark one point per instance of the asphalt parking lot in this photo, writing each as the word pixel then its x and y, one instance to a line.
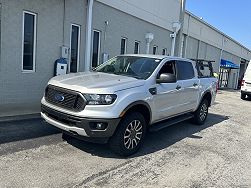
pixel 217 154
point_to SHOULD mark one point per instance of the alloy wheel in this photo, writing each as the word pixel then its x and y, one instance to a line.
pixel 203 112
pixel 133 134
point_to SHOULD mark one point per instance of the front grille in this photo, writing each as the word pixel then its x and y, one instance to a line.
pixel 64 98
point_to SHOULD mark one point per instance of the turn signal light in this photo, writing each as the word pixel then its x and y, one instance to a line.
pixel 242 82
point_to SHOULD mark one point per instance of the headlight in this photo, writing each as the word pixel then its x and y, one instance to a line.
pixel 96 99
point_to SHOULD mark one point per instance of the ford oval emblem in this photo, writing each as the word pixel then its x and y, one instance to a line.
pixel 59 97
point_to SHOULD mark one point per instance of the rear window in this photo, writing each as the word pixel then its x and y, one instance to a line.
pixel 204 68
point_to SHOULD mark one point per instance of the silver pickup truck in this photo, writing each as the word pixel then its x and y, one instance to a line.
pixel 128 95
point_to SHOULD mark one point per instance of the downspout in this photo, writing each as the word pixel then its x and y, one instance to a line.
pixel 149 38
pixel 64 25
pixel 88 36
pixel 238 76
pixel 148 48
pixel 221 52
pixel 173 36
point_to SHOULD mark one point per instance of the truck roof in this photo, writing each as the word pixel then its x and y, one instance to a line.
pixel 156 56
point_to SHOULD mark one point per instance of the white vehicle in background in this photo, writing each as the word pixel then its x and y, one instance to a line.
pixel 246 84
pixel 127 96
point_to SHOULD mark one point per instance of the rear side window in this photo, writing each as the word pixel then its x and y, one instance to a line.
pixel 185 70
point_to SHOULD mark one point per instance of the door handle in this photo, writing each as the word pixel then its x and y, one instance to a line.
pixel 195 84
pixel 178 87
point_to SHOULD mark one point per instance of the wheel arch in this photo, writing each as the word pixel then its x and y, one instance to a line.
pixel 208 96
pixel 141 107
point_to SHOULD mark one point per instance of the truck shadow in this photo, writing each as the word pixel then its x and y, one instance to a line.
pixel 154 141
pixel 13 131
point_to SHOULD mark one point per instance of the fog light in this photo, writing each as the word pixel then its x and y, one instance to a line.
pixel 98 126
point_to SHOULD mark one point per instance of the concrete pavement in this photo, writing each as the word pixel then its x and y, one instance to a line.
pixel 217 154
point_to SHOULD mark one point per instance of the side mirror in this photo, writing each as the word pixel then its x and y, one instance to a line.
pixel 166 78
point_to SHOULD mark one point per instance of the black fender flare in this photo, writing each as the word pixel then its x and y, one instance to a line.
pixel 204 94
pixel 135 104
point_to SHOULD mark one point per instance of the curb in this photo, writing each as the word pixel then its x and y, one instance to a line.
pixel 20 117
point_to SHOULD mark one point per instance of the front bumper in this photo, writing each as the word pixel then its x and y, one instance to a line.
pixel 245 92
pixel 79 126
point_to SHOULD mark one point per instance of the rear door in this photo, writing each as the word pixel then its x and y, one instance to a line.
pixel 190 90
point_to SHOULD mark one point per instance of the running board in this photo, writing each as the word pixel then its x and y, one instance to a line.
pixel 161 125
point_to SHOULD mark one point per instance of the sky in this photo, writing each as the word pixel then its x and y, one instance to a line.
pixel 233 17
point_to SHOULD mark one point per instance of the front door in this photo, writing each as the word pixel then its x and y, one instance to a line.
pixel 168 99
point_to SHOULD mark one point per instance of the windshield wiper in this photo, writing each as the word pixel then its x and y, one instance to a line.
pixel 129 75
pixel 136 76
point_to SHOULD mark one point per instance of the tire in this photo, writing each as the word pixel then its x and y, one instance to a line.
pixel 243 96
pixel 129 135
pixel 200 115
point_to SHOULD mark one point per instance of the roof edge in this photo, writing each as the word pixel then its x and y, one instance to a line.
pixel 214 28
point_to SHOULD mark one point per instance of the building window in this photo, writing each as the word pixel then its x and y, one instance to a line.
pixel 29 41
pixel 123 46
pixel 155 50
pixel 164 51
pixel 95 48
pixel 75 44
pixel 136 47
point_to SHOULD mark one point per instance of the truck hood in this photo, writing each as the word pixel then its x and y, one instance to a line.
pixel 95 82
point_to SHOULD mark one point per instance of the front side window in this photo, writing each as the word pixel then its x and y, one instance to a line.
pixel 168 68
pixel 137 67
pixel 29 41
pixel 185 70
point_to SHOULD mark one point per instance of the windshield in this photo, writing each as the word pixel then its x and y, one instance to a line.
pixel 137 67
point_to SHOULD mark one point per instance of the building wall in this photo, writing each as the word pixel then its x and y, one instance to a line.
pixel 213 53
pixel 75 13
pixel 199 29
pixel 24 90
pixel 21 92
pixel 161 13
pixel 206 42
pixel 192 48
pixel 120 25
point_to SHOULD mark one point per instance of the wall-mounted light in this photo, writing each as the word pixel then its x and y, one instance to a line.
pixel 149 38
